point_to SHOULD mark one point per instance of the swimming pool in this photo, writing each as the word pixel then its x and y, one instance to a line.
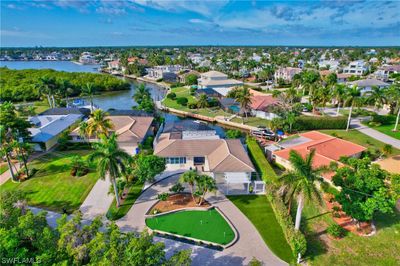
pixel 234 108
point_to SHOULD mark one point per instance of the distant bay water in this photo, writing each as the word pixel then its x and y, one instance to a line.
pixel 67 66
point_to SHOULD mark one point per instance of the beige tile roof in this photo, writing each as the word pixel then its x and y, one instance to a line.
pixel 223 155
pixel 131 129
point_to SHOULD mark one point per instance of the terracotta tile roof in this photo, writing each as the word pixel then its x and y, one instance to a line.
pixel 222 155
pixel 260 102
pixel 327 149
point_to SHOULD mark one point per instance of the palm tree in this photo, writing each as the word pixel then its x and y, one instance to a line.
pixel 353 98
pixel 393 95
pixel 65 86
pixel 203 101
pixel 189 178
pixel 377 96
pixel 243 97
pixel 83 129
pixel 5 150
pixel 141 93
pixel 300 182
pixel 338 93
pixel 47 86
pixel 205 184
pixel 98 123
pixel 111 161
pixel 89 89
pixel 290 119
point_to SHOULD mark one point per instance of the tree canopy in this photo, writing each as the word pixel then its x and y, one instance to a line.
pixel 366 189
pixel 26 85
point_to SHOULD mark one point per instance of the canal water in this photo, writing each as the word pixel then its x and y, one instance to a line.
pixel 112 100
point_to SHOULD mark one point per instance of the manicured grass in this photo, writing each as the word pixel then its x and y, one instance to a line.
pixel 380 249
pixel 387 129
pixel 53 187
pixel 203 225
pixel 3 168
pixel 260 213
pixel 115 213
pixel 252 121
pixel 260 161
pixel 185 92
pixel 359 138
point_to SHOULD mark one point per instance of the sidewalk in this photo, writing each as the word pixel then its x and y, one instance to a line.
pixel 356 124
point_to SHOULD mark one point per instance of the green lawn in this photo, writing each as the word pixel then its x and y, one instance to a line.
pixel 252 121
pixel 380 249
pixel 3 168
pixel 387 129
pixel 115 213
pixel 185 92
pixel 358 138
pixel 203 225
pixel 260 213
pixel 53 187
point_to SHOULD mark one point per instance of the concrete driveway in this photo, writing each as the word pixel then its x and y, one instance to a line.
pixel 249 244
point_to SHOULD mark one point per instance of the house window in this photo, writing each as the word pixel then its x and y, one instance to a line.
pixel 176 160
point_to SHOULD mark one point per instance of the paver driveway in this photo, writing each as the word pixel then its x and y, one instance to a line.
pixel 249 244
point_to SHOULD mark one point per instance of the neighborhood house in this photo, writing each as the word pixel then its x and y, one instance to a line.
pixel 217 81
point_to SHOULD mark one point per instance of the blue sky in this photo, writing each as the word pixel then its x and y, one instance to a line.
pixel 223 22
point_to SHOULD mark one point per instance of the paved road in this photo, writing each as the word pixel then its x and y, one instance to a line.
pixel 249 244
pixel 356 124
pixel 98 201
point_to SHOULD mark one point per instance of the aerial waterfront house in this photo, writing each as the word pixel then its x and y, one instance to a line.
pixel 132 128
pixel 217 81
pixel 48 129
pixel 263 105
pixel 366 85
pixel 189 146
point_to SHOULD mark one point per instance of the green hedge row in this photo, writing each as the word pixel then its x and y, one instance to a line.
pixel 325 122
pixel 295 239
pixel 268 174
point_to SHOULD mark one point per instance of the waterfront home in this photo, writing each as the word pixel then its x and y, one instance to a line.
pixel 135 59
pixel 218 81
pixel 357 68
pixel 132 128
pixel 286 73
pixel 182 76
pixel 263 106
pixel 366 85
pixel 160 72
pixel 201 149
pixel 47 129
pixel 87 58
pixel 342 77
pixel 328 149
pixel 383 73
pixel 114 65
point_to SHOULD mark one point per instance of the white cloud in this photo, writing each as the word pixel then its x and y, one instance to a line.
pixel 110 10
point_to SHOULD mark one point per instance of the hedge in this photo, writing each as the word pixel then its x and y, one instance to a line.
pixel 325 122
pixel 268 174
pixel 384 119
pixel 295 238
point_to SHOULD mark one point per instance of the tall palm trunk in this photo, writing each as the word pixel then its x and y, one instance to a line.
pixel 10 167
pixel 349 118
pixel 397 120
pixel 298 213
pixel 338 108
pixel 49 101
pixel 53 100
pixel 114 183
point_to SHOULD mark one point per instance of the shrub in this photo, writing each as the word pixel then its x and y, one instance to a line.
pixel 234 134
pixel 192 105
pixel 163 196
pixel 311 123
pixel 383 119
pixel 212 102
pixel 335 230
pixel 177 188
pixel 182 101
pixel 171 95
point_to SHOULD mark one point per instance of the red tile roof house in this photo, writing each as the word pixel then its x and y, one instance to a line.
pixel 262 106
pixel 327 149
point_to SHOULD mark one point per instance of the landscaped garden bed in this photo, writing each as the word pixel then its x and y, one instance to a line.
pixel 176 202
pixel 201 226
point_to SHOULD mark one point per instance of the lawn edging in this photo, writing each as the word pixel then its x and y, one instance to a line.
pixel 192 240
pixel 114 213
